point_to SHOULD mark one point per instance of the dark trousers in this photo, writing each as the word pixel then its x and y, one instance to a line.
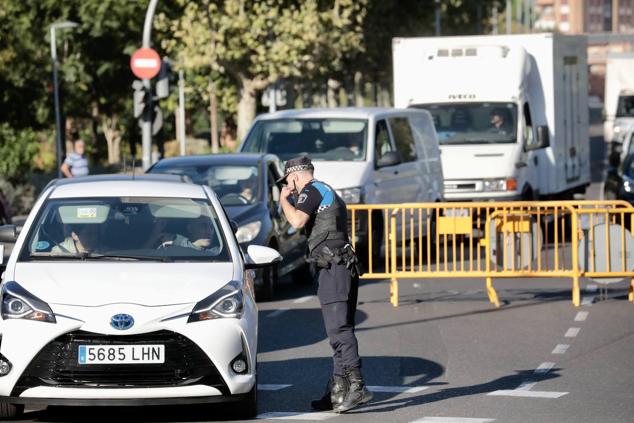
pixel 337 293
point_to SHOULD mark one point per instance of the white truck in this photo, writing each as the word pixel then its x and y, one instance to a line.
pixel 619 94
pixel 511 111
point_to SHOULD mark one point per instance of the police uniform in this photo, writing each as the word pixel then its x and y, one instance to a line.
pixel 338 277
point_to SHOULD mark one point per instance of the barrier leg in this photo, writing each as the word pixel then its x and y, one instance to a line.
pixel 493 296
pixel 576 291
pixel 631 294
pixel 394 292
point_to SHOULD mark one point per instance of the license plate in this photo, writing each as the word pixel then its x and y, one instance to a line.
pixel 121 354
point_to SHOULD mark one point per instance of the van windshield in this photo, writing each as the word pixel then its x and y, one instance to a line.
pixel 626 106
pixel 321 139
pixel 474 123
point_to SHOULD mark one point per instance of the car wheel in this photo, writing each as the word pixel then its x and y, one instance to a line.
pixel 305 275
pixel 10 411
pixel 269 279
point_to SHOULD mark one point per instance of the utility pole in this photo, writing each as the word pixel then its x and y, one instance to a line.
pixel 494 16
pixel 58 113
pixel 437 17
pixel 146 126
pixel 509 12
pixel 181 112
pixel 527 15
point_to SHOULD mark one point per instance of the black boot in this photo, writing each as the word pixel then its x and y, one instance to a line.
pixel 357 394
pixel 324 403
pixel 338 390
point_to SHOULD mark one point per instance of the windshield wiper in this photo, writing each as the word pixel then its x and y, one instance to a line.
pixel 98 256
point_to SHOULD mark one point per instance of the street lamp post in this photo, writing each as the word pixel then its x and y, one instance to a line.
pixel 58 115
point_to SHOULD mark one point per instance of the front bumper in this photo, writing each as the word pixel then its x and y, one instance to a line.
pixel 197 364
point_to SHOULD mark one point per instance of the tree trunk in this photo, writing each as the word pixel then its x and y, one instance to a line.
pixel 111 132
pixel 213 117
pixel 359 98
pixel 246 106
pixel 333 87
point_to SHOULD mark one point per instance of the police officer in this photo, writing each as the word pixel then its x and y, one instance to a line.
pixel 323 213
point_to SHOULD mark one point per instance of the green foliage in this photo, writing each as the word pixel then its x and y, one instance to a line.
pixel 18 148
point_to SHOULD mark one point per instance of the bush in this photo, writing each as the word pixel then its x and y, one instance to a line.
pixel 18 149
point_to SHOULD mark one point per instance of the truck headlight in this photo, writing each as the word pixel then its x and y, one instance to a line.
pixel 18 303
pixel 492 185
pixel 351 195
pixel 248 232
pixel 227 302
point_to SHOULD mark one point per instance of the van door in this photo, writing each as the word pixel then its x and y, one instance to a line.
pixel 411 185
pixel 385 178
pixel 530 163
pixel 432 169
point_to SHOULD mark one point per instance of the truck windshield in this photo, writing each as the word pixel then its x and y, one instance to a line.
pixel 321 139
pixel 126 228
pixel 474 123
pixel 626 106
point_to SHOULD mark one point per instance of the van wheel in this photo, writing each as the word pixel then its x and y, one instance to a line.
pixel 433 247
pixel 375 248
pixel 10 411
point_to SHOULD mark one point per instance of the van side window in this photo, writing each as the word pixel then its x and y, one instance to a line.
pixel 382 137
pixel 528 126
pixel 403 138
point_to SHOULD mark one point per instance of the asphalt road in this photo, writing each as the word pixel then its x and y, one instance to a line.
pixel 445 355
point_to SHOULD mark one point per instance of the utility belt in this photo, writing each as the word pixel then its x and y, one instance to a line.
pixel 325 256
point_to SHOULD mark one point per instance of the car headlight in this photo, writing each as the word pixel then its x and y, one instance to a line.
pixel 18 303
pixel 248 232
pixel 227 302
pixel 351 195
pixel 628 184
pixel 491 185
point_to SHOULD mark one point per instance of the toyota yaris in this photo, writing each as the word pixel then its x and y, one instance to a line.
pixel 128 292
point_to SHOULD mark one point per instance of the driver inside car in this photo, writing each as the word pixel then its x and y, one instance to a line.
pixel 82 239
pixel 199 230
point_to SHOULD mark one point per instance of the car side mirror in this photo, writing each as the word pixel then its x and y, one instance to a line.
pixel 262 257
pixel 543 137
pixel 234 226
pixel 8 233
pixel 275 193
pixel 391 158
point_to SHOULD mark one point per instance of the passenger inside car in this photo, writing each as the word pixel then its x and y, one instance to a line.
pixel 81 239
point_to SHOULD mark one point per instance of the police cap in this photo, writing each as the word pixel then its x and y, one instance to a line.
pixel 295 165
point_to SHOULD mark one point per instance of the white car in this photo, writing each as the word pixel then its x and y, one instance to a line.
pixel 128 292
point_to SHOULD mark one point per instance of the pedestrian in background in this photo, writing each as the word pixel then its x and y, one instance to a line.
pixel 319 209
pixel 76 164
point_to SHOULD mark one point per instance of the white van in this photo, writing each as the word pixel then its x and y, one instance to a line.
pixel 369 155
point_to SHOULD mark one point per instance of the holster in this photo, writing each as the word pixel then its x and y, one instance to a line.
pixel 325 256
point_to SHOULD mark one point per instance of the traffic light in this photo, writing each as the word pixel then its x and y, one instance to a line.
pixel 163 80
pixel 139 98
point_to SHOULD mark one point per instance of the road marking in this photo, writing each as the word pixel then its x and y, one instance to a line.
pixel 278 312
pixel 561 349
pixel 526 386
pixel 572 332
pixel 295 415
pixel 382 406
pixel 581 316
pixel 592 287
pixel 527 394
pixel 398 389
pixel 544 368
pixel 587 301
pixel 452 420
pixel 272 386
pixel 303 299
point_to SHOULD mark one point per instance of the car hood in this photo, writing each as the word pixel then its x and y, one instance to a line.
pixel 341 174
pixel 478 161
pixel 148 284
pixel 244 214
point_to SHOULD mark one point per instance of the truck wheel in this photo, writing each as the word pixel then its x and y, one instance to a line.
pixel 10 411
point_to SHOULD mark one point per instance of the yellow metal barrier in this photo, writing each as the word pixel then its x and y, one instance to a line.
pixel 492 240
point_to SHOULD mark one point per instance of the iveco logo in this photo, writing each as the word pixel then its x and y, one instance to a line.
pixel 121 321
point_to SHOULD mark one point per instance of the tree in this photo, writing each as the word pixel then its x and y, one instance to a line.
pixel 255 43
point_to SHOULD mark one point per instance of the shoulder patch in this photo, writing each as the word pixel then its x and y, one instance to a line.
pixel 302 197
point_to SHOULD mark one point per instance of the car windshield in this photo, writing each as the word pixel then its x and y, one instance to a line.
pixel 126 228
pixel 626 106
pixel 235 185
pixel 321 139
pixel 474 123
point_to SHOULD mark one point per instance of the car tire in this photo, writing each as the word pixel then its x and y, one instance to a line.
pixel 10 411
pixel 266 291
pixel 305 275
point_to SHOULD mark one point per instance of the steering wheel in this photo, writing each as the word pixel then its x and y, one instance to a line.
pixel 233 195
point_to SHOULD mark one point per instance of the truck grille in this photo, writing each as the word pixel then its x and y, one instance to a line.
pixel 57 364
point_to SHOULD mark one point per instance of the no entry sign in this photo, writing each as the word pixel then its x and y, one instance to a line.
pixel 145 63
